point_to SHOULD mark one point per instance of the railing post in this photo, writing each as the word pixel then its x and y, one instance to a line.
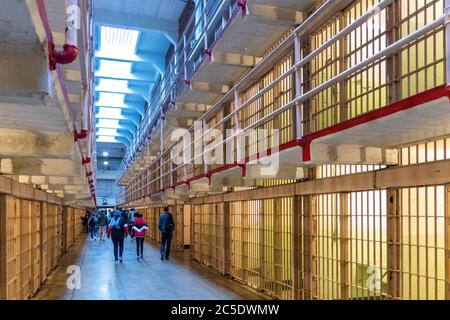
pixel 447 39
pixel 205 164
pixel 393 62
pixel 236 125
pixel 205 27
pixel 161 150
pixel 298 88
pixel 184 56
pixel 343 97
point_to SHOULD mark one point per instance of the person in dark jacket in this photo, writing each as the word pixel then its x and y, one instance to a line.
pixel 118 231
pixel 139 229
pixel 166 226
pixel 93 225
pixel 84 222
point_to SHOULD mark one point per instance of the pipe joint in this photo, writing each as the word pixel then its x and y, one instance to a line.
pixel 83 134
pixel 68 55
pixel 86 160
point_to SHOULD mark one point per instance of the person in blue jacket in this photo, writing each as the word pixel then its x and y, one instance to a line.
pixel 166 226
pixel 118 231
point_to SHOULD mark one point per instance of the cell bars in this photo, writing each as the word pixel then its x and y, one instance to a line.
pixel 31 239
pixel 261 239
pixel 381 244
pixel 419 66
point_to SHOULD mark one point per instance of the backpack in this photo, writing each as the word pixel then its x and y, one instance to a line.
pixel 115 223
pixel 169 223
pixel 131 217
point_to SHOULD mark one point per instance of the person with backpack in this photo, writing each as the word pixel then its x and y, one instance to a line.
pixel 102 225
pixel 139 229
pixel 118 231
pixel 166 226
pixel 92 224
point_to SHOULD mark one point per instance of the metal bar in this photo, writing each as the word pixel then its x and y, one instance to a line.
pixel 343 75
pixel 447 39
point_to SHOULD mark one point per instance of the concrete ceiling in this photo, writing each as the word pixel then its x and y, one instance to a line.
pixel 17 37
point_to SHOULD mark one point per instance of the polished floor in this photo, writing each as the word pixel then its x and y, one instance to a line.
pixel 104 279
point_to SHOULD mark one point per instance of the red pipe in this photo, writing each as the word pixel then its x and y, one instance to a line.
pixel 83 134
pixel 67 56
pixel 86 160
pixel 243 5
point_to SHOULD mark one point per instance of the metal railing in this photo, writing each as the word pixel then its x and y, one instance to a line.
pixel 180 68
pixel 158 178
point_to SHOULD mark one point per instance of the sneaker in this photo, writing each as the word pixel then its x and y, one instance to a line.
pixel 121 259
pixel 138 259
pixel 116 260
pixel 142 257
pixel 162 258
pixel 167 259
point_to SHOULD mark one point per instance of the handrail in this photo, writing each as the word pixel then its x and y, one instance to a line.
pixel 345 32
pixel 168 74
pixel 388 51
pixel 300 31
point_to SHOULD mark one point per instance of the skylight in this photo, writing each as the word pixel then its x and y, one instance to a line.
pixel 113 85
pixel 115 44
pixel 111 68
pixel 106 123
pixel 109 113
pixel 122 42
pixel 107 132
pixel 111 99
pixel 106 139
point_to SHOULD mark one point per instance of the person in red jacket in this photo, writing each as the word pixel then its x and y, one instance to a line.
pixel 139 229
pixel 118 231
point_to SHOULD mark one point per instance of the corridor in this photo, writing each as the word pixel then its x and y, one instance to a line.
pixel 301 147
pixel 151 279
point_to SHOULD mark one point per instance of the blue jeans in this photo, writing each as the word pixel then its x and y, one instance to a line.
pixel 166 240
pixel 118 246
pixel 93 233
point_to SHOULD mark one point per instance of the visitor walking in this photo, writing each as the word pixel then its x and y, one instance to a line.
pixel 93 224
pixel 139 229
pixel 130 219
pixel 166 226
pixel 102 225
pixel 118 231
pixel 84 222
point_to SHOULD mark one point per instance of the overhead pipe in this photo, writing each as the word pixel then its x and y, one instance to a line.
pixel 85 124
pixel 70 49
pixel 68 55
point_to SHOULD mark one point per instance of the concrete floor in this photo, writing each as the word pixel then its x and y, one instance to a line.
pixel 104 279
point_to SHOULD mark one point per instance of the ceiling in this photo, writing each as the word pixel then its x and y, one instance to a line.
pixel 131 42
